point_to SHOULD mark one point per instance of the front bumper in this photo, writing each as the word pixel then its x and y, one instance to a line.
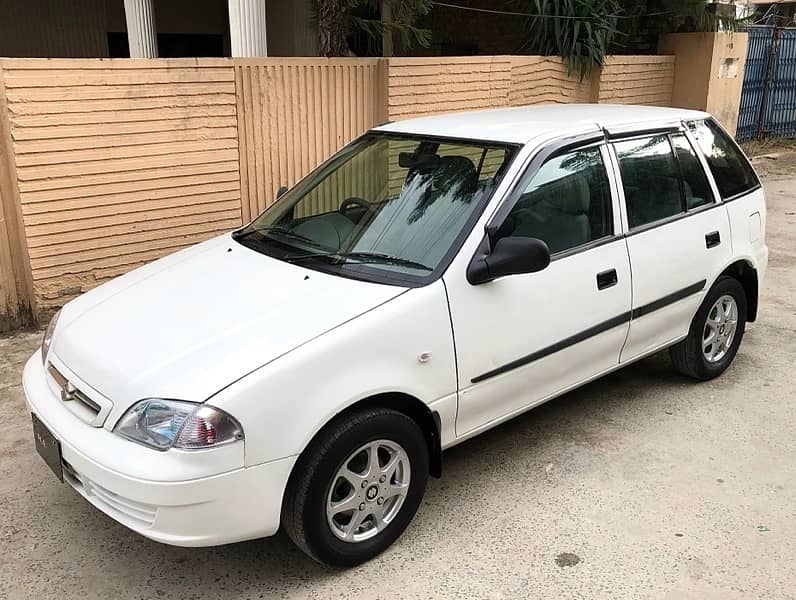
pixel 235 505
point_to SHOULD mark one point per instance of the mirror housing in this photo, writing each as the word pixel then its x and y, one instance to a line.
pixel 281 191
pixel 510 256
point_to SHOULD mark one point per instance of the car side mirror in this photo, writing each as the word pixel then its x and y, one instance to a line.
pixel 510 256
pixel 281 191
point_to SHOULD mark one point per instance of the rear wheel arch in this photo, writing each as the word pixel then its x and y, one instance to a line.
pixel 746 274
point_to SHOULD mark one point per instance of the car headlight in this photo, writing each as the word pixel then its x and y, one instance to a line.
pixel 163 424
pixel 48 337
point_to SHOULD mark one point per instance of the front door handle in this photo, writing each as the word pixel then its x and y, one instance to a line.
pixel 712 239
pixel 607 279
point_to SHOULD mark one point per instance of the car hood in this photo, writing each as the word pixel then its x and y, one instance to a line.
pixel 190 324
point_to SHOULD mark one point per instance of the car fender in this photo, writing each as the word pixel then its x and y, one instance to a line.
pixel 405 346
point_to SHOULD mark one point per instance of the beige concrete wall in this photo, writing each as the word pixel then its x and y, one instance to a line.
pixel 544 79
pixel 119 162
pixel 636 80
pixel 693 54
pixel 708 72
pixel 16 289
pixel 726 73
pixel 418 86
pixel 421 86
pixel 294 113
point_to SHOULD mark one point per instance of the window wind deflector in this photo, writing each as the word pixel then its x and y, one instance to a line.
pixel 637 129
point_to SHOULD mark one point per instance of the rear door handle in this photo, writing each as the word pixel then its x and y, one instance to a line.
pixel 712 239
pixel 607 279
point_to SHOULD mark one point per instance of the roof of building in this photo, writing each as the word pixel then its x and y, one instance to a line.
pixel 522 123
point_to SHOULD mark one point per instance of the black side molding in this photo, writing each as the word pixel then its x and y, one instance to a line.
pixel 592 331
pixel 565 343
pixel 668 299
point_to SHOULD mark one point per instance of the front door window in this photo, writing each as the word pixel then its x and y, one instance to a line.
pixel 566 204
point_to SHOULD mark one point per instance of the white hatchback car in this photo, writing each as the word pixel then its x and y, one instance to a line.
pixel 432 279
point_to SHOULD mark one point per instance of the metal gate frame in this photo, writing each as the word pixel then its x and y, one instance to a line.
pixel 768 96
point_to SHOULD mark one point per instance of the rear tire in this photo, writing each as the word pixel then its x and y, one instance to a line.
pixel 341 508
pixel 715 333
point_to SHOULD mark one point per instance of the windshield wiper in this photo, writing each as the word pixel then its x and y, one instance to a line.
pixel 283 231
pixel 387 259
pixel 289 233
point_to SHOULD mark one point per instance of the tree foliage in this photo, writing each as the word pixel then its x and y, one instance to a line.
pixel 580 31
pixel 339 20
pixel 656 17
pixel 331 16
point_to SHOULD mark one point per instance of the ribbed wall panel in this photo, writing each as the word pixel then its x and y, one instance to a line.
pixel 295 113
pixel 120 162
pixel 637 80
pixel 424 86
pixel 421 86
pixel 544 80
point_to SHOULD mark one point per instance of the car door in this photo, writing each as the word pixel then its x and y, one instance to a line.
pixel 678 238
pixel 523 338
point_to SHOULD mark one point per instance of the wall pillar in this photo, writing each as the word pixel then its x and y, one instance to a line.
pixel 17 304
pixel 141 30
pixel 708 72
pixel 247 27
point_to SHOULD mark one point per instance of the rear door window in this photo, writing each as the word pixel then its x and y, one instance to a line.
pixel 731 170
pixel 696 187
pixel 650 178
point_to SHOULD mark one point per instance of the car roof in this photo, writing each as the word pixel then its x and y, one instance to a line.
pixel 520 124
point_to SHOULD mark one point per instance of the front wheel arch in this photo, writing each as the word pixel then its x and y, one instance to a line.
pixel 427 420
pixel 414 408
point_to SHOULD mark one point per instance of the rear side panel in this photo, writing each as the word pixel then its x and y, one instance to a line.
pixel 747 216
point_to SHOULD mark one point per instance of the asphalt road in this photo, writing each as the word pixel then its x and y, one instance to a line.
pixel 640 485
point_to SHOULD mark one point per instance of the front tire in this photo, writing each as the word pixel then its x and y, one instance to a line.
pixel 356 487
pixel 715 333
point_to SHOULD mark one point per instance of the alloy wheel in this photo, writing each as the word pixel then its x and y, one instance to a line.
pixel 719 330
pixel 368 490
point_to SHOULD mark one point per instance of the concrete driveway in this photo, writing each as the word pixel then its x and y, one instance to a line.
pixel 641 485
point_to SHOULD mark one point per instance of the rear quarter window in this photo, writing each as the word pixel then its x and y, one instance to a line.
pixel 731 169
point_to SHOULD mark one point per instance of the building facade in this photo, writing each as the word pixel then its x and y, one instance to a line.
pixel 156 28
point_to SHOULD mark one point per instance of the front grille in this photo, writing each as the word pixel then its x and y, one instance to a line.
pixel 78 401
pixel 118 507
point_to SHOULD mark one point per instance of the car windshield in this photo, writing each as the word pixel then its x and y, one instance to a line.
pixel 386 208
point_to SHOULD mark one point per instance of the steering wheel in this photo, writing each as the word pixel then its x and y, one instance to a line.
pixel 353 202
